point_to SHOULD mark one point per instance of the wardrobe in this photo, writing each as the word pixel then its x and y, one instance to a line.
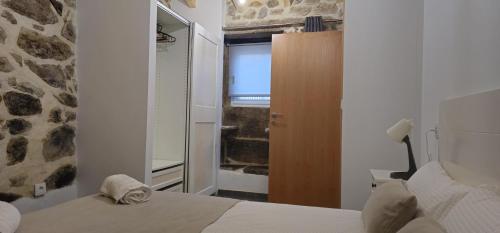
pixel 150 97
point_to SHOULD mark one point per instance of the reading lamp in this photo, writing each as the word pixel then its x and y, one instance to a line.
pixel 399 133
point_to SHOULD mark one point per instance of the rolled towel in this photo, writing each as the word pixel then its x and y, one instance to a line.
pixel 9 218
pixel 125 189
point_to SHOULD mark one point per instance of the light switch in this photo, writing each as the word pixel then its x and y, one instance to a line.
pixel 40 189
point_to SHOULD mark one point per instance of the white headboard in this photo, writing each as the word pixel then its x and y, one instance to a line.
pixel 469 143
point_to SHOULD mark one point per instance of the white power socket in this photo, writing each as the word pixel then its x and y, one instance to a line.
pixel 40 189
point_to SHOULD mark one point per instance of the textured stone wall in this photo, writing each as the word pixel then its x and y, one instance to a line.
pixel 37 95
pixel 269 12
pixel 249 145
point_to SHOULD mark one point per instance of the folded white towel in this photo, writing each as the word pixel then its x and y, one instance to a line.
pixel 9 218
pixel 125 190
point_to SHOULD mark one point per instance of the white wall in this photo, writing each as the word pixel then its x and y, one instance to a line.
pixel 382 84
pixel 114 50
pixel 240 181
pixel 52 198
pixel 461 53
pixel 208 13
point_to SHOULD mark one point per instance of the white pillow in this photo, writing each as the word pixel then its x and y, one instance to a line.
pixel 436 192
pixel 9 218
pixel 478 212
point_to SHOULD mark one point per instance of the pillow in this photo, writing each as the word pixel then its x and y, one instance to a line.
pixel 436 192
pixel 9 218
pixel 478 212
pixel 389 208
pixel 423 225
pixel 491 187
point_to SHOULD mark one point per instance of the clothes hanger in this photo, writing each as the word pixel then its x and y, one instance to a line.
pixel 162 37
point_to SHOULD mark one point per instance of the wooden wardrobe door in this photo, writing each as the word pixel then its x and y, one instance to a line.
pixel 305 127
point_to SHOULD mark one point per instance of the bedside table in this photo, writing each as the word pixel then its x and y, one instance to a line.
pixel 380 177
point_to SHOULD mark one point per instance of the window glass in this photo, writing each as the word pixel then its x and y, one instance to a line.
pixel 250 74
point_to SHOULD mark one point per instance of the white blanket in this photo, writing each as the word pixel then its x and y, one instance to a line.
pixel 125 190
pixel 9 218
pixel 253 217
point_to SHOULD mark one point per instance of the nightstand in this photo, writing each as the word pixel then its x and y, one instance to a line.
pixel 380 177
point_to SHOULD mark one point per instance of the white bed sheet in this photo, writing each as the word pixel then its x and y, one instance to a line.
pixel 254 217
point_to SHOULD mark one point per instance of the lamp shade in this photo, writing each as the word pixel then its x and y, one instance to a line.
pixel 400 130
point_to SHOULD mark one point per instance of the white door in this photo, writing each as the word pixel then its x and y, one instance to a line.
pixel 204 126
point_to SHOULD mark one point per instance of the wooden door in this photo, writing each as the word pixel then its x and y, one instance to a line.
pixel 204 125
pixel 305 136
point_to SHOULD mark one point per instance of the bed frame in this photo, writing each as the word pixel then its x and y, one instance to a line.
pixel 469 144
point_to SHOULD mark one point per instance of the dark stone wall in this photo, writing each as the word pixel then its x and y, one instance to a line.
pixel 251 122
pixel 250 143
pixel 38 90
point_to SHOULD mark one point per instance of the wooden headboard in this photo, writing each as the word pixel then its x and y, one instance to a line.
pixel 469 143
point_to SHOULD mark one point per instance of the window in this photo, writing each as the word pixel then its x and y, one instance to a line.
pixel 250 75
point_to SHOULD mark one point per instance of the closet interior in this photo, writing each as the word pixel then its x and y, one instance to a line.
pixel 171 102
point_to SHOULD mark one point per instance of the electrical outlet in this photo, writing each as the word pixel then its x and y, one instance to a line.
pixel 40 189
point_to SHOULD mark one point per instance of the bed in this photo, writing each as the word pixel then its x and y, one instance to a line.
pixel 178 212
pixel 165 212
pixel 475 131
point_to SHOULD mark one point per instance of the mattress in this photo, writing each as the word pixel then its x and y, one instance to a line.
pixel 165 212
pixel 188 213
pixel 253 217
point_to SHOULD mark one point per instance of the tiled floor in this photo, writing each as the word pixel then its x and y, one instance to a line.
pixel 258 197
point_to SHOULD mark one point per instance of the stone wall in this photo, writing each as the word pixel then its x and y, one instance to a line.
pixel 37 95
pixel 249 144
pixel 270 12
